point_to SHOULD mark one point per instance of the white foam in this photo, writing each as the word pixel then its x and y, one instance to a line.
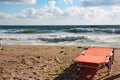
pixel 88 38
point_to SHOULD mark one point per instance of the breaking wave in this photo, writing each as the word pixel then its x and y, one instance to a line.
pixel 85 30
pixel 62 39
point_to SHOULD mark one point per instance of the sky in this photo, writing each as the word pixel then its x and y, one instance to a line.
pixel 59 12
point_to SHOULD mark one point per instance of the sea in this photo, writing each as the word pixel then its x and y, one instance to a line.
pixel 78 35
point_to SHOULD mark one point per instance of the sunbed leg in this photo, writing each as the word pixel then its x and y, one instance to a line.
pixel 113 56
pixel 109 65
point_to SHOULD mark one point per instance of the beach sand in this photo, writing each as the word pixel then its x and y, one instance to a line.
pixel 37 62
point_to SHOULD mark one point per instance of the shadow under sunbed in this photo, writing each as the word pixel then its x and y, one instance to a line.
pixel 68 73
pixel 71 73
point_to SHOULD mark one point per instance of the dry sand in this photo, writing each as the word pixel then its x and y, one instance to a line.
pixel 30 62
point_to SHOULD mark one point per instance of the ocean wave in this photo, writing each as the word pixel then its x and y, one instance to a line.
pixel 25 31
pixel 14 39
pixel 62 39
pixel 84 30
pixel 77 30
pixel 70 30
pixel 49 39
pixel 12 31
pixel 117 31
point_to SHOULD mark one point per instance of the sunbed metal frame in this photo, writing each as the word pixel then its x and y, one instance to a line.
pixel 79 65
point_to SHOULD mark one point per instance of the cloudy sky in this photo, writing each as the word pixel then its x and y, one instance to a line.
pixel 59 12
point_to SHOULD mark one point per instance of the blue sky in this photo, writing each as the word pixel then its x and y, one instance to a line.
pixel 59 12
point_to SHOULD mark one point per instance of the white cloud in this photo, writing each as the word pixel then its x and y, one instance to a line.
pixel 47 11
pixel 30 11
pixel 88 15
pixel 116 9
pixel 100 2
pixel 52 4
pixel 115 13
pixel 27 13
pixel 5 15
pixel 18 1
pixel 51 9
pixel 51 14
pixel 68 1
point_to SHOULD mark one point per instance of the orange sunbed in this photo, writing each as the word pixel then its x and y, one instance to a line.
pixel 95 57
pixel 100 51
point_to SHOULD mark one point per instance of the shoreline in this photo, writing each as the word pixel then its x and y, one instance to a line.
pixel 51 62
pixel 59 45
